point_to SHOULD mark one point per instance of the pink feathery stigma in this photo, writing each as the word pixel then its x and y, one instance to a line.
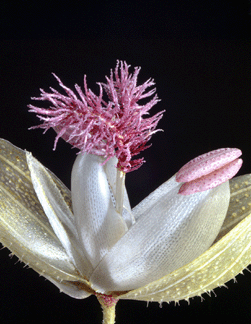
pixel 116 127
pixel 209 170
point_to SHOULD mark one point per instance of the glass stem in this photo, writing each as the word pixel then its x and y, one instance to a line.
pixel 120 185
pixel 108 314
pixel 108 304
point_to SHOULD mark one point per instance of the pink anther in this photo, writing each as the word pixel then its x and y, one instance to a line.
pixel 209 170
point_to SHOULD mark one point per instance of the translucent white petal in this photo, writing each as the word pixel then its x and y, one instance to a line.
pixel 172 232
pixel 97 222
pixel 147 203
pixel 219 264
pixel 111 173
pixel 58 213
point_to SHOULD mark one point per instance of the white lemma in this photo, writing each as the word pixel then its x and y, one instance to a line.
pixel 158 251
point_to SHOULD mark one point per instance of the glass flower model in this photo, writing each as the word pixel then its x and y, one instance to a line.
pixel 189 236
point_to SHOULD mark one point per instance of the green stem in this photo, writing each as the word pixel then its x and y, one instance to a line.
pixel 108 315
pixel 108 304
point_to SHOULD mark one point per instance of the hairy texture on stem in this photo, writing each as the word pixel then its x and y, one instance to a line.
pixel 108 304
pixel 115 127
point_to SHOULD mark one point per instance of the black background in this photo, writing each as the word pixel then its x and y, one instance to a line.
pixel 198 52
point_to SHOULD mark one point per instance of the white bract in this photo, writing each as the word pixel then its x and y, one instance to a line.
pixel 121 252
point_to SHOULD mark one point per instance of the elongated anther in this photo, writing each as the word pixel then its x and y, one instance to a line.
pixel 209 170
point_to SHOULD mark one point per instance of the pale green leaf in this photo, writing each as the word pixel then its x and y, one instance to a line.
pixel 24 228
